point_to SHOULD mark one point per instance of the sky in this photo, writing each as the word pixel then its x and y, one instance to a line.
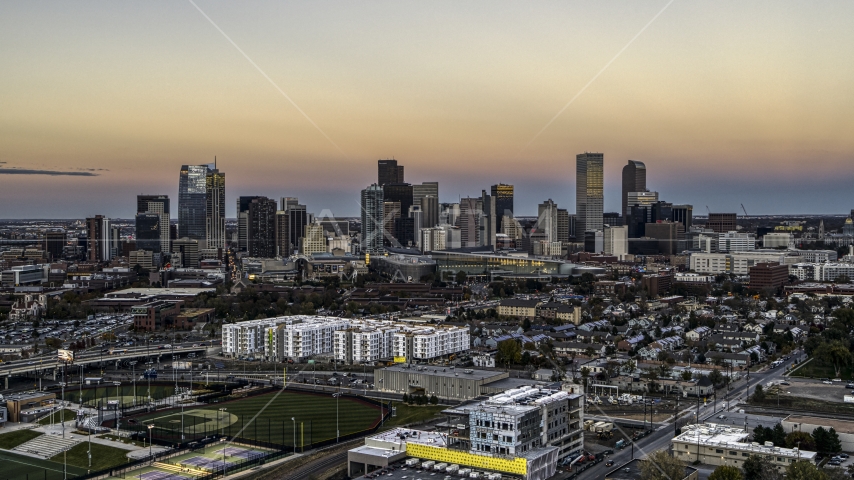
pixel 726 102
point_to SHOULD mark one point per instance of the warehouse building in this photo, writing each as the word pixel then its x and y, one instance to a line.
pixel 447 383
pixel 806 424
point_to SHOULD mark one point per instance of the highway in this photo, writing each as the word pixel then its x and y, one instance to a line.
pixel 660 438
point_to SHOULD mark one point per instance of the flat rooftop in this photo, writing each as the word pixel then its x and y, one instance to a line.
pixel 712 434
pixel 841 426
pixel 446 371
pixel 161 291
pixel 406 435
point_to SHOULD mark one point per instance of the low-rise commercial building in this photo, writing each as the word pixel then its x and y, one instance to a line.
pixel 21 402
pixel 807 424
pixel 715 444
pixel 447 383
pixel 514 307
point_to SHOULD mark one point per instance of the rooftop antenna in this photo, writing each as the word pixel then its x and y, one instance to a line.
pixel 214 162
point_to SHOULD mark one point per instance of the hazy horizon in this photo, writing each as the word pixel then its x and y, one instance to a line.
pixel 726 103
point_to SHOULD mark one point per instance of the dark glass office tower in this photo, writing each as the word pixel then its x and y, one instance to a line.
pixel 192 202
pixel 399 192
pixel 503 200
pixel 262 227
pixel 634 180
pixel 148 232
pixel 297 220
pixel 159 205
pixel 372 220
pixel 388 171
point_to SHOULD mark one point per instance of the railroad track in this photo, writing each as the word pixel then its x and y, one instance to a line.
pixel 317 466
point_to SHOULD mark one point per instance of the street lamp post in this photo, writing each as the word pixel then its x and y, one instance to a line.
pixel 293 419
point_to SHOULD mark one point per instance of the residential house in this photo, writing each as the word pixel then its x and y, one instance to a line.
pixel 697 334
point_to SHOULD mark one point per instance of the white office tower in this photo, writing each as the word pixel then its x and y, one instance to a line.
pixel 547 220
pixel 616 240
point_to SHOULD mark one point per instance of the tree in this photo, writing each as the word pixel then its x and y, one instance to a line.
pixel 687 375
pixel 759 394
pixel 716 377
pixel 778 436
pixel 434 400
pixel 726 472
pixel 461 277
pixel 760 468
pixel 509 352
pixel 629 366
pixel 826 441
pixel 761 434
pixel 802 440
pixel 834 353
pixel 53 343
pixel 661 466
pixel 804 470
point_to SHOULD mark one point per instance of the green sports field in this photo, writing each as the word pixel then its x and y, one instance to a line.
pixel 124 393
pixel 21 467
pixel 315 417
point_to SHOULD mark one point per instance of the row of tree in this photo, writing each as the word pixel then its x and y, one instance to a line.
pixel 821 440
pixel 662 466
pixel 420 399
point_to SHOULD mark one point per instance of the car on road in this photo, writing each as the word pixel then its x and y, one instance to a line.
pixel 609 463
pixel 785 383
pixel 827 382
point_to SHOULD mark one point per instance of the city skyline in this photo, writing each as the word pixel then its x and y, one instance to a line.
pixel 106 101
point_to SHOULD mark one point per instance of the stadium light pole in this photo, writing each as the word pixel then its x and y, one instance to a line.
pixel 221 413
pixel 294 420
pixel 150 455
pixel 337 431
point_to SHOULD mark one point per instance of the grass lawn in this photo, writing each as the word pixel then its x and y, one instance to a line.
pixel 814 369
pixel 63 415
pixel 11 440
pixel 315 416
pixel 408 414
pixel 102 456
pixel 20 467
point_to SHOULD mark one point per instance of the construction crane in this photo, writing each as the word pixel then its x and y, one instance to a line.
pixel 744 209
pixel 707 210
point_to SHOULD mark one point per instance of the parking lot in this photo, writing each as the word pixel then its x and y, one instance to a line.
pixel 816 390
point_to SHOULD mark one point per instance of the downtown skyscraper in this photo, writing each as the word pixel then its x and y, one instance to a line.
pixel 589 192
pixel 372 220
pixel 192 201
pixel 201 205
pixel 634 180
pixel 152 223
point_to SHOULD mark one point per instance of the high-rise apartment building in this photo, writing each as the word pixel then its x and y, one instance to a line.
pixel 722 222
pixel 388 171
pixel 261 227
pixel 634 180
pixel 563 224
pixel 99 234
pixel 243 222
pixel 589 191
pixel 468 222
pixel 283 239
pixel 215 205
pixel 159 205
pixel 192 201
pixel 503 194
pixel 430 211
pixel 547 221
pixel 488 226
pixel 372 220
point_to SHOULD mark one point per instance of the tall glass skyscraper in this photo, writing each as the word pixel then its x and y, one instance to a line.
pixel 372 220
pixel 503 194
pixel 192 201
pixel 589 192
pixel 146 232
pixel 215 209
